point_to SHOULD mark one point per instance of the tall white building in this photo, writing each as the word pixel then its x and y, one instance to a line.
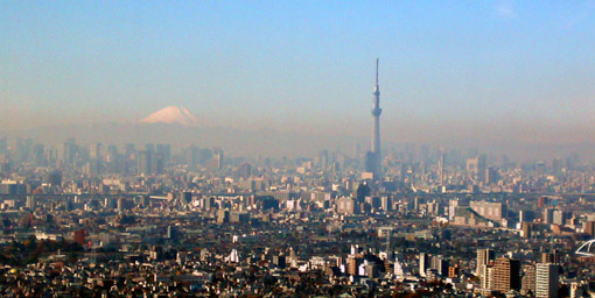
pixel 424 263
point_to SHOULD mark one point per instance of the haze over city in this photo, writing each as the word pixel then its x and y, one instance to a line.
pixel 507 76
pixel 297 149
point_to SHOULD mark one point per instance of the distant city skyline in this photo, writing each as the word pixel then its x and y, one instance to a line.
pixel 297 148
pixel 485 72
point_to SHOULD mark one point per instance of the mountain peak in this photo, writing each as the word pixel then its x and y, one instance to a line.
pixel 172 115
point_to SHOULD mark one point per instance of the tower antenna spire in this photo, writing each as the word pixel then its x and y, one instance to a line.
pixel 377 62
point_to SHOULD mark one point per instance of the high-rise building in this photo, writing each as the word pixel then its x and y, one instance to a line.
pixel 96 151
pixel 363 191
pixel 505 275
pixel 171 233
pixel 244 170
pixel 522 216
pixel 216 162
pixel 374 156
pixel 484 256
pixel 386 203
pixel 39 155
pixel 69 152
pixel 526 229
pixel 542 202
pixel 482 168
pixel 471 167
pixel 120 205
pixel 441 168
pixel 424 263
pixel 440 265
pixel 548 216
pixel 546 280
pixel 528 279
pixel 222 216
pixel 559 217
pixel 279 261
pixel 186 197
pixel 346 206
pixel 30 202
pixel 492 176
pixel 129 150
pixel 589 228
pixel 452 207
pixel 550 257
pixel 144 161
pixel 165 151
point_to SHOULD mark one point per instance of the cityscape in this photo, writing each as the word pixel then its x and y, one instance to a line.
pixel 94 215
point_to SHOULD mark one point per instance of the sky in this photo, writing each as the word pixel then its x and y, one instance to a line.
pixel 449 70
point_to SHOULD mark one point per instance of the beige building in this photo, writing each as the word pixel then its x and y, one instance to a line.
pixel 489 210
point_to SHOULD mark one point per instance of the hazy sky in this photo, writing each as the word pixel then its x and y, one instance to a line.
pixel 469 67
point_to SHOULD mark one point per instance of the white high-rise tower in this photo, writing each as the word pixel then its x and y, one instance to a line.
pixel 374 156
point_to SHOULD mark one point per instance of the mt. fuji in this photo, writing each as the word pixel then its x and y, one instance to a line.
pixel 172 115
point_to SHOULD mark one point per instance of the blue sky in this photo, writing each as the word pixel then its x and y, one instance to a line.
pixel 300 64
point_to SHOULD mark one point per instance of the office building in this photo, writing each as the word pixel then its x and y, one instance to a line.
pixel 505 275
pixel 484 256
pixel 546 280
pixel 528 279
pixel 424 263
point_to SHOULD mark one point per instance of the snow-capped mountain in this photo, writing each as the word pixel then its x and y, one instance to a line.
pixel 172 115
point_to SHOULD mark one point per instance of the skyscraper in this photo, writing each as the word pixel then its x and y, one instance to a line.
pixel 528 279
pixel 506 275
pixel 546 280
pixel 374 156
pixel 484 256
pixel 501 275
pixel 424 263
pixel 441 168
pixel 440 265
pixel 145 162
